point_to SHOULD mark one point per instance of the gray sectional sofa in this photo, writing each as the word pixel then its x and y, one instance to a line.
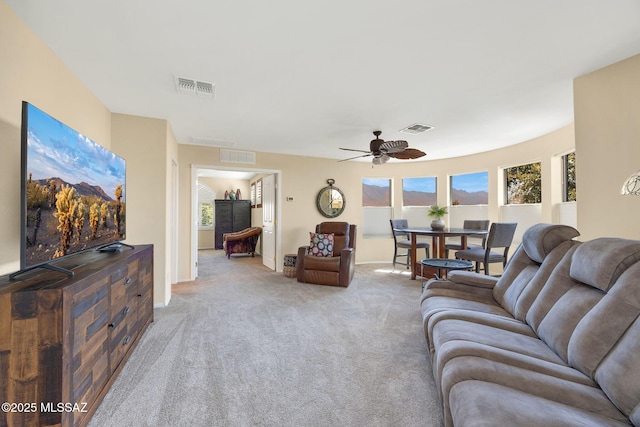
pixel 555 341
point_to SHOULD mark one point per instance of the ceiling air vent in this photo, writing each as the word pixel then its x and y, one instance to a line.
pixel 194 87
pixel 416 128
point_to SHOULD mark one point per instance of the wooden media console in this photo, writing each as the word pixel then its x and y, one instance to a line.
pixel 64 340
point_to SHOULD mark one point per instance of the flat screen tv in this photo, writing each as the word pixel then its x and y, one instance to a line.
pixel 73 192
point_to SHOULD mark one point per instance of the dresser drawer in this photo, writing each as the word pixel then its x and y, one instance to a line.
pixel 122 331
pixel 124 285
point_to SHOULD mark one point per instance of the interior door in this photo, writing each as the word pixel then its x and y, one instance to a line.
pixel 269 221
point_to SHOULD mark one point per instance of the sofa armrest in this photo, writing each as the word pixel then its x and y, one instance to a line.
pixel 347 266
pixel 470 278
pixel 464 281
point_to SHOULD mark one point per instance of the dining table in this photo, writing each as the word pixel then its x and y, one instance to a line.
pixel 438 238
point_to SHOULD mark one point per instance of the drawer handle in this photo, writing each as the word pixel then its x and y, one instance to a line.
pixel 127 339
pixel 127 281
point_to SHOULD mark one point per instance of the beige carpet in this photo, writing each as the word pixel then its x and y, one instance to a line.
pixel 245 346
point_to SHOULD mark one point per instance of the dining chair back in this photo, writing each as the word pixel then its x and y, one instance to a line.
pixel 470 224
pixel 500 237
pixel 402 240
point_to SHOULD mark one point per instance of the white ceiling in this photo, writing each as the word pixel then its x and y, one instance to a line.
pixel 305 78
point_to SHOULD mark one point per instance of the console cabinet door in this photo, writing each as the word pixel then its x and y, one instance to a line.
pixel 145 291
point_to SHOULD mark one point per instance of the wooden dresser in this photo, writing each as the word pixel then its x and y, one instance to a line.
pixel 63 340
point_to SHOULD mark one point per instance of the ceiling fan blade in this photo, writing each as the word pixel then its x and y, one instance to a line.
pixel 409 153
pixel 356 157
pixel 394 146
pixel 351 149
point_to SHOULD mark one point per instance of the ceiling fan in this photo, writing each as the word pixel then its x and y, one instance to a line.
pixel 382 150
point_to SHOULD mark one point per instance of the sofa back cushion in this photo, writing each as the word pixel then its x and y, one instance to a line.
pixel 541 277
pixel 606 343
pixel 543 245
pixel 580 321
pixel 540 239
pixel 602 261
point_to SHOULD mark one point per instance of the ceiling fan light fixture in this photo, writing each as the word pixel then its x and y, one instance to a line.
pixel 416 128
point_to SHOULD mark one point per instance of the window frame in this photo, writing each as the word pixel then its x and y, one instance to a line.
pixel 390 188
pixel 451 188
pixel 565 178
pixel 201 224
pixel 435 190
pixel 206 195
pixel 505 171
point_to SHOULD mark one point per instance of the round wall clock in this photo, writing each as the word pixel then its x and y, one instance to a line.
pixel 330 200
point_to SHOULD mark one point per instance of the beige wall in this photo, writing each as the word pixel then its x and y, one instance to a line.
pixel 303 177
pixel 607 122
pixel 31 72
pixel 220 185
pixel 145 143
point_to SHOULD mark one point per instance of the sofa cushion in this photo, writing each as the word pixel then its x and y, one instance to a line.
pixel 606 343
pixel 540 239
pixel 484 404
pixel 600 262
pixel 524 278
pixel 321 244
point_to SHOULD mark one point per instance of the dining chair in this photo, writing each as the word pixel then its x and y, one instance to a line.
pixel 403 241
pixel 470 224
pixel 500 236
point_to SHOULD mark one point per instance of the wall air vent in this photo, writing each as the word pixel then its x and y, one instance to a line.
pixel 194 87
pixel 416 128
pixel 236 156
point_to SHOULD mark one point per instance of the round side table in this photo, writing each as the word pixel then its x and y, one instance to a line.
pixel 445 264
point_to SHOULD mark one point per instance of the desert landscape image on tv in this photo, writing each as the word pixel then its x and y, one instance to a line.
pixel 75 191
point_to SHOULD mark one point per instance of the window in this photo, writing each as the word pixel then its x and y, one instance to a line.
pixel 470 189
pixel 569 177
pixel 523 184
pixel 377 210
pixel 206 214
pixel 205 206
pixel 419 191
pixel 376 192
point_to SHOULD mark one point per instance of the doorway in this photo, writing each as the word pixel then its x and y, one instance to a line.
pixel 271 246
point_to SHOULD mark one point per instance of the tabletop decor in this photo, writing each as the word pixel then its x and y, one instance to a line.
pixel 437 212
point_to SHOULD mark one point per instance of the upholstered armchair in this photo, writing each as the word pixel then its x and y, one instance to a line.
pixel 241 242
pixel 316 264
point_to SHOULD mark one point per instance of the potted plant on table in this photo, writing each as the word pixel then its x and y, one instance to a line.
pixel 437 212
